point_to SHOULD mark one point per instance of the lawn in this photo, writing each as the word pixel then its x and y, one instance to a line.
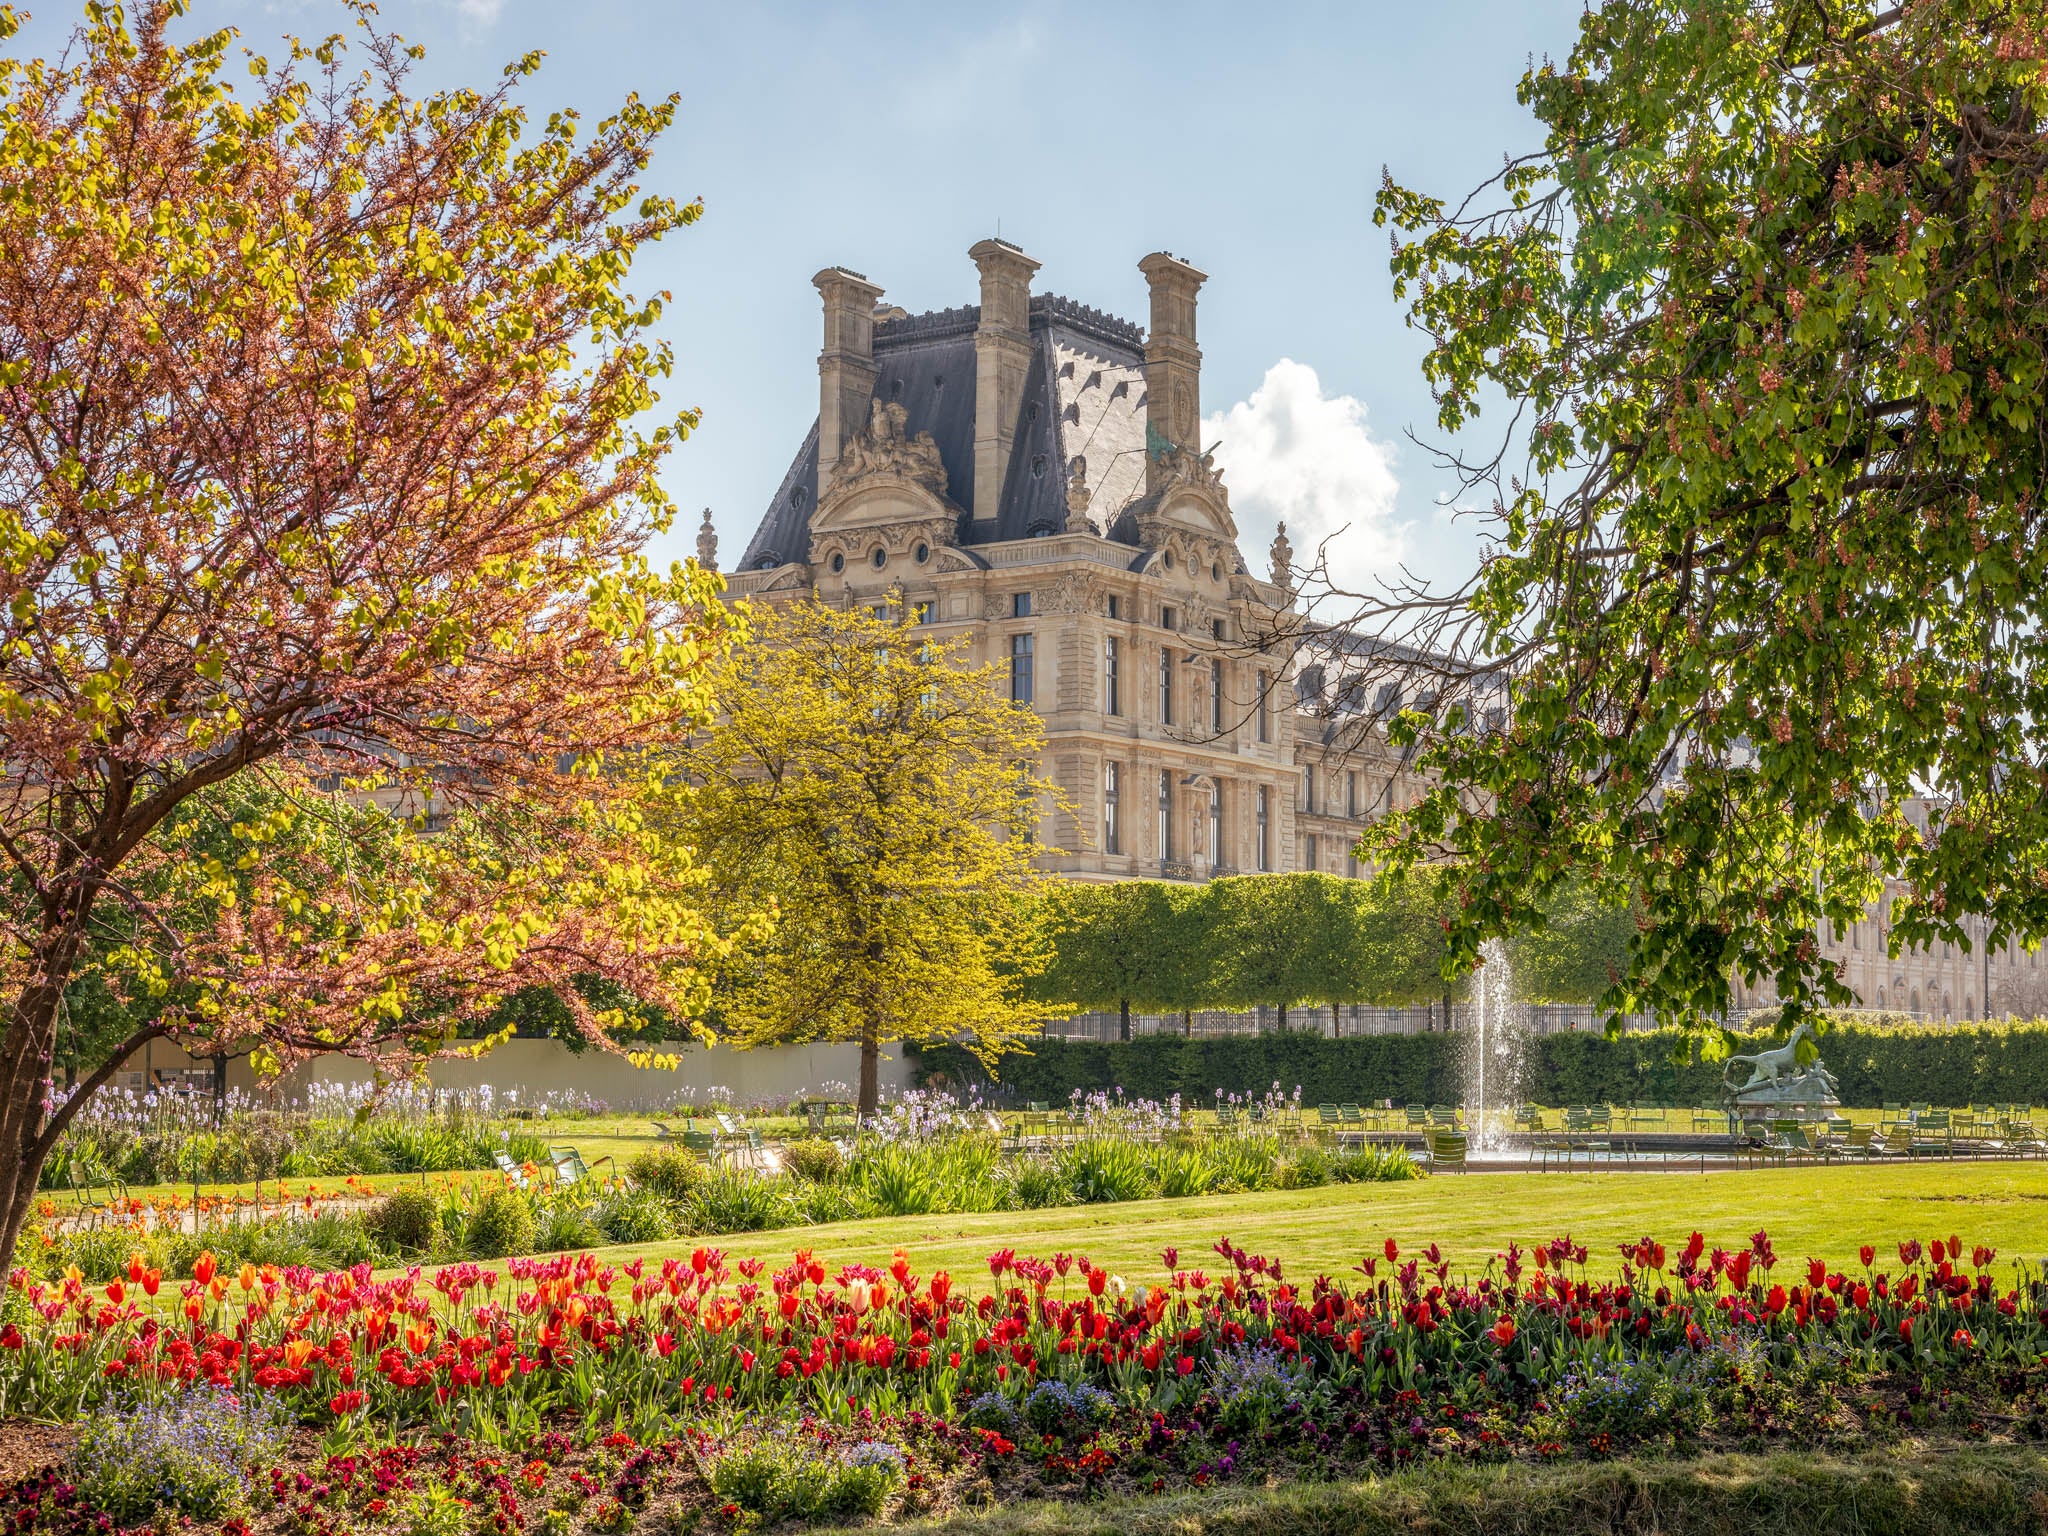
pixel 1809 1212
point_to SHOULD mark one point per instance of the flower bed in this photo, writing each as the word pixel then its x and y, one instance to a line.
pixel 741 1392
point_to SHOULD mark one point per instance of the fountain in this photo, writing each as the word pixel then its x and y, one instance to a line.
pixel 1493 1054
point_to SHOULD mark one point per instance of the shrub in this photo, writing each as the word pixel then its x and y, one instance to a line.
pixel 733 1200
pixel 1036 1185
pixel 191 1454
pixel 1309 1168
pixel 636 1216
pixel 815 1159
pixel 1064 1408
pixel 501 1224
pixel 776 1478
pixel 670 1172
pixel 830 1202
pixel 408 1220
pixel 1374 1165
pixel 898 1180
pixel 1105 1168
pixel 565 1227
pixel 1183 1171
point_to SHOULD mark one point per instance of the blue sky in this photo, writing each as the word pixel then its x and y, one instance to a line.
pixel 889 137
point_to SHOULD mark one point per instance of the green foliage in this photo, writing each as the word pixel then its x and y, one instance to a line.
pixel 409 1220
pixel 1121 946
pixel 500 1224
pixel 670 1172
pixel 1105 1168
pixel 1769 309
pixel 635 1216
pixel 192 1455
pixel 813 1158
pixel 1873 1062
pixel 777 1477
pixel 734 1200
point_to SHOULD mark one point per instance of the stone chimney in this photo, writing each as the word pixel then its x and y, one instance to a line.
pixel 1173 364
pixel 846 367
pixel 1002 357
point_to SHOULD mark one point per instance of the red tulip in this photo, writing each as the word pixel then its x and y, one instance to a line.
pixel 1503 1331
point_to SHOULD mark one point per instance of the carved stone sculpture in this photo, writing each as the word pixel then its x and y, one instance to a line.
pixel 882 448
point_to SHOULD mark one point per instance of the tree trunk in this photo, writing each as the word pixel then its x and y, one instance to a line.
pixel 1447 1013
pixel 1280 1019
pixel 1187 1022
pixel 1124 1019
pixel 870 1072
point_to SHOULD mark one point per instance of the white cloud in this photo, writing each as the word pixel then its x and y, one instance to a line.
pixel 1293 452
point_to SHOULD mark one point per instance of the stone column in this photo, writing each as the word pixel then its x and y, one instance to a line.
pixel 1173 364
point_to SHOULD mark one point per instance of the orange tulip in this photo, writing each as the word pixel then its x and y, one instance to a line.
pixel 204 1266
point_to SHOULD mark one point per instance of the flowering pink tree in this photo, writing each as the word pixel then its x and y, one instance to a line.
pixel 326 458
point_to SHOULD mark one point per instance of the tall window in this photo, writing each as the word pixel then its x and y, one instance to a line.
pixel 1308 850
pixel 1112 675
pixel 1215 825
pixel 1215 695
pixel 1020 605
pixel 1265 730
pixel 1115 607
pixel 1309 791
pixel 1165 814
pixel 1350 793
pixel 1165 685
pixel 1265 829
pixel 1020 669
pixel 1112 838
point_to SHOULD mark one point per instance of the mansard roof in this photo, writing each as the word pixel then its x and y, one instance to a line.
pixel 1084 397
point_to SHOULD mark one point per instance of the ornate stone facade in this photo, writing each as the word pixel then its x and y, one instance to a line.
pixel 1084 538
pixel 1026 473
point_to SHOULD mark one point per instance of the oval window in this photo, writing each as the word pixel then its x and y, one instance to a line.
pixel 923 552
pixel 1167 559
pixel 838 563
pixel 881 557
pixel 1216 572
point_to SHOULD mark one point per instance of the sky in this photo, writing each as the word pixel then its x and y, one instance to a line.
pixel 889 137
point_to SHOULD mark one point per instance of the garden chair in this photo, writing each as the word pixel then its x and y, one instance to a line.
pixel 1893 1114
pixel 1226 1118
pixel 663 1131
pixel 514 1174
pixel 1756 1144
pixel 1859 1143
pixel 1442 1117
pixel 1418 1117
pixel 1582 1133
pixel 1707 1117
pixel 94 1207
pixel 1544 1146
pixel 1932 1134
pixel 1446 1150
pixel 1009 1143
pixel 571 1170
pixel 2017 1138
pixel 704 1144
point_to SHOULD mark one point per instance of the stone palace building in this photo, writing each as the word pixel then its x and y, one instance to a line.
pixel 1027 472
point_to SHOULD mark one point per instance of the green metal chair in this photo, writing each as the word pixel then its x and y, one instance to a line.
pixel 1446 1150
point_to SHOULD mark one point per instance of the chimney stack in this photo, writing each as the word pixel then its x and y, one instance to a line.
pixel 1002 358
pixel 1173 363
pixel 846 366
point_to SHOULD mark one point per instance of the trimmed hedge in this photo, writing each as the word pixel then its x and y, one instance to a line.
pixel 1949 1064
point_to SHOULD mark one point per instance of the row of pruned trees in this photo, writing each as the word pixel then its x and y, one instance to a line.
pixel 1294 941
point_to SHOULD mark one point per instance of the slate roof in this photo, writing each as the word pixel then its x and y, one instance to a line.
pixel 1084 395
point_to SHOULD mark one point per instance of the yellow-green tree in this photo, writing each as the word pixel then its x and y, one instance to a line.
pixel 883 794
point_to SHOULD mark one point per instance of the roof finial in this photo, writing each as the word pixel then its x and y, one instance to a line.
pixel 707 543
pixel 1283 560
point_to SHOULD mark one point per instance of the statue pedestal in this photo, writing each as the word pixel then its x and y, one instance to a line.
pixel 1810 1096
